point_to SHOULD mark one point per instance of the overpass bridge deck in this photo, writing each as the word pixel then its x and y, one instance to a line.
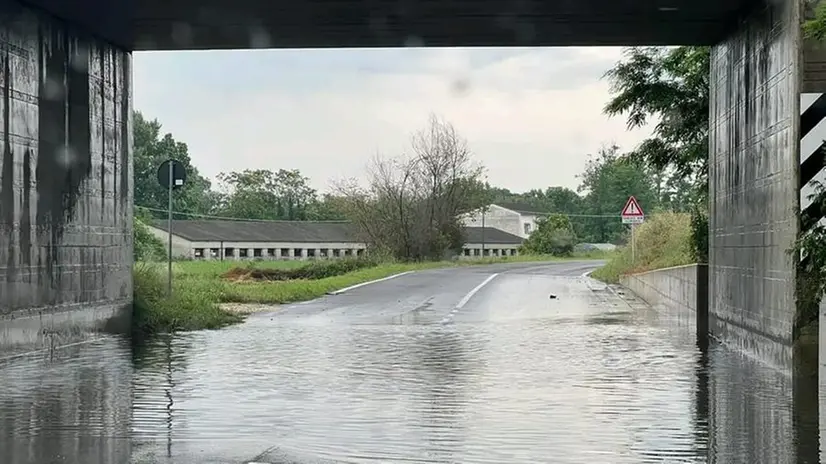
pixel 244 24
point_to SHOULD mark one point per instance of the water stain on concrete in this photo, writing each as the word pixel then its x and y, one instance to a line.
pixel 64 158
pixel 7 175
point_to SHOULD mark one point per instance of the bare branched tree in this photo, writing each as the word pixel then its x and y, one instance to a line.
pixel 412 204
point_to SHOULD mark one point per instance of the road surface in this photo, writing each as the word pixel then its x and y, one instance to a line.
pixel 470 365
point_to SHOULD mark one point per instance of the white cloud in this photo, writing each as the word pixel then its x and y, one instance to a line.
pixel 531 116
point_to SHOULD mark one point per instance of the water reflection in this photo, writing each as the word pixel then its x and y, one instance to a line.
pixel 445 366
pixel 587 382
pixel 756 414
pixel 70 406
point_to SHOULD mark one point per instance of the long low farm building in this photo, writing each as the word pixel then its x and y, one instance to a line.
pixel 222 239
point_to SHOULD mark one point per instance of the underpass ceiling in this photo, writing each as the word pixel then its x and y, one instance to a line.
pixel 243 24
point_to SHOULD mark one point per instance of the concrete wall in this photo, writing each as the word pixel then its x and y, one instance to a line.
pixel 65 181
pixel 673 289
pixel 729 386
pixel 753 164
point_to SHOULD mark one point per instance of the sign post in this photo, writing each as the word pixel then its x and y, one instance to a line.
pixel 633 214
pixel 484 210
pixel 171 176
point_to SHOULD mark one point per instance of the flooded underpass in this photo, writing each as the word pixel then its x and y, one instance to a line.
pixel 426 368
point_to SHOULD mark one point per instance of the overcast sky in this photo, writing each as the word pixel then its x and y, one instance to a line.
pixel 530 115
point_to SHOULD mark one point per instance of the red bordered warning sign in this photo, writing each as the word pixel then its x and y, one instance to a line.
pixel 632 213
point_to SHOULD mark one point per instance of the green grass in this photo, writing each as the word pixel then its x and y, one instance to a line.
pixel 662 241
pixel 217 268
pixel 199 289
pixel 187 309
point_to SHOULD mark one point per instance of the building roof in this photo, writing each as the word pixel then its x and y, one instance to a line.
pixel 521 208
pixel 261 231
pixel 298 232
pixel 492 236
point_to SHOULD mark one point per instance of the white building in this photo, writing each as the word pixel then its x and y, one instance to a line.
pixel 212 239
pixel 490 242
pixel 238 240
pixel 519 220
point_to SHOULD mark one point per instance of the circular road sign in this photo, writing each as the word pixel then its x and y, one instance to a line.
pixel 178 174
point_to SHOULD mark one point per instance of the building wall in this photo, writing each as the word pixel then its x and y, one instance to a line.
pixel 527 219
pixel 502 219
pixel 185 249
pixel 295 250
pixel 753 164
pixel 474 250
pixel 65 180
pixel 181 247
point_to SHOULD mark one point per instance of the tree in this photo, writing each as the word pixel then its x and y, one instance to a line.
pixel 264 194
pixel 670 85
pixel 815 28
pixel 147 247
pixel 811 269
pixel 328 208
pixel 150 150
pixel 608 180
pixel 553 235
pixel 412 204
pixel 560 200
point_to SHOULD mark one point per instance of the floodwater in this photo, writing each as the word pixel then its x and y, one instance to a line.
pixel 594 380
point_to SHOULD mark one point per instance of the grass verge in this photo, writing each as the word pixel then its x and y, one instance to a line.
pixel 662 241
pixel 187 308
pixel 199 286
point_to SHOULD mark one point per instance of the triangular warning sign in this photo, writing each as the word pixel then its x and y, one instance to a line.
pixel 632 208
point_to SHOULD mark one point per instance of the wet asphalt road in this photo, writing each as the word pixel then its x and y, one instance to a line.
pixel 466 365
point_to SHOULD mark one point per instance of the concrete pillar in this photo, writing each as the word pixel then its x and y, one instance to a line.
pixel 753 179
pixel 65 172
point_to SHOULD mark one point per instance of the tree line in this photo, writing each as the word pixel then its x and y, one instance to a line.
pixel 411 203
